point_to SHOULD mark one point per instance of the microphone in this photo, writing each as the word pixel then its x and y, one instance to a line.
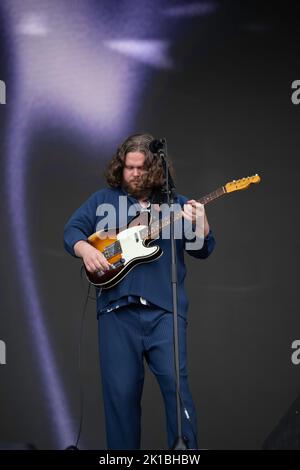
pixel 156 145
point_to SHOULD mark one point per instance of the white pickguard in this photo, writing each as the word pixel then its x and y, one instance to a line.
pixel 132 245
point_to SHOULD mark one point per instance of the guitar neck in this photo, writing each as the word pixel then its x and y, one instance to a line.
pixel 211 196
pixel 156 227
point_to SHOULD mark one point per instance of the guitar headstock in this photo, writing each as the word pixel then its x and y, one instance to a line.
pixel 243 183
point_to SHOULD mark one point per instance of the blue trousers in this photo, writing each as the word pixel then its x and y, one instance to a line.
pixel 127 336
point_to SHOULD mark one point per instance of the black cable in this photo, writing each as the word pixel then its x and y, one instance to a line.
pixel 81 388
pixel 79 367
pixel 82 284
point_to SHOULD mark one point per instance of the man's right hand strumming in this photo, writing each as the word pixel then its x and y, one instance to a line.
pixel 93 259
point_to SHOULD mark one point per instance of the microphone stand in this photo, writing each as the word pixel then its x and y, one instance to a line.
pixel 167 195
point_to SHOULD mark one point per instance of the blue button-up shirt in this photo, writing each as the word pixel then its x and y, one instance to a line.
pixel 150 281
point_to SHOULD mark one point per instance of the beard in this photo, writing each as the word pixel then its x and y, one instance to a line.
pixel 137 189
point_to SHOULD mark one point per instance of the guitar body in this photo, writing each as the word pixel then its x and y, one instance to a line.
pixel 124 248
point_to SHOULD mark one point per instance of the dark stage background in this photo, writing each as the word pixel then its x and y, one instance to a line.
pixel 215 79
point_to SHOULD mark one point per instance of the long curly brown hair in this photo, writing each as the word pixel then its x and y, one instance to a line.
pixel 153 177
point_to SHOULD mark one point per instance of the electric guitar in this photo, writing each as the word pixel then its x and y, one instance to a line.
pixel 128 246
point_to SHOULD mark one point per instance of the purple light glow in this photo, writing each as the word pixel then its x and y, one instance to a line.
pixel 64 71
pixel 16 190
pixel 151 52
pixel 192 9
